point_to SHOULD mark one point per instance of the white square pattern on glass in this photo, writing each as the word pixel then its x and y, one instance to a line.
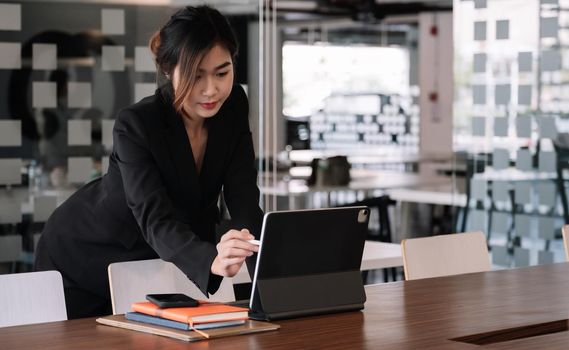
pixel 43 207
pixel 478 126
pixel 44 94
pixel 521 257
pixel 523 126
pixel 44 56
pixel 502 29
pixel 522 192
pixel 524 95
pixel 500 222
pixel 479 189
pixel 79 169
pixel 10 174
pixel 112 21
pixel 501 126
pixel 550 60
pixel 549 27
pixel 546 193
pixel 142 90
pixel 10 211
pixel 502 94
pixel 479 31
pixel 79 95
pixel 501 159
pixel 10 55
pixel 547 162
pixel 113 58
pixel 500 191
pixel 107 130
pixel 525 61
pixel 478 220
pixel 10 133
pixel 479 4
pixel 546 228
pixel 500 255
pixel 10 17
pixel 479 94
pixel 523 160
pixel 479 63
pixel 79 132
pixel 143 59
pixel 523 225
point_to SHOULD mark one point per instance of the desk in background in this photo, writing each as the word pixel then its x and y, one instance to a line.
pixel 369 157
pixel 403 315
pixel 368 183
pixel 377 255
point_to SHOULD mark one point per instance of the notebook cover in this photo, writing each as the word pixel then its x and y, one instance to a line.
pixel 248 327
pixel 138 317
pixel 187 314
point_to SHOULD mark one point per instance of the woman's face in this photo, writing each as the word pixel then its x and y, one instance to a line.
pixel 213 84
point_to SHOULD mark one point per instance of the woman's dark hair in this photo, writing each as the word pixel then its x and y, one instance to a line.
pixel 189 34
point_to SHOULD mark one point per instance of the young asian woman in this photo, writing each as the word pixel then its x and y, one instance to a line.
pixel 173 154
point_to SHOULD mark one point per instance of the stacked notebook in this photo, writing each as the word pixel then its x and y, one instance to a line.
pixel 208 320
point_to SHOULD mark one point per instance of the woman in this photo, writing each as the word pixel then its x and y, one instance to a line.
pixel 173 154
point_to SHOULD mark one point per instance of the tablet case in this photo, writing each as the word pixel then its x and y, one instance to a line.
pixel 309 263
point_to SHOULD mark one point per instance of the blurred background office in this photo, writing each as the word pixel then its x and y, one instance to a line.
pixel 443 116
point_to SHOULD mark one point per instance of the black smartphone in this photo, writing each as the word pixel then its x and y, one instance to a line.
pixel 171 300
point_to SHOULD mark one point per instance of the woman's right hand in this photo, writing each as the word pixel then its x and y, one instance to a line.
pixel 232 250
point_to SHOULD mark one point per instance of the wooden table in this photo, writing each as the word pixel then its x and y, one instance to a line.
pixel 436 195
pixel 377 155
pixel 402 315
pixel 364 182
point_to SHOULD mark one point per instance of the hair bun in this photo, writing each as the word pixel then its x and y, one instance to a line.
pixel 154 42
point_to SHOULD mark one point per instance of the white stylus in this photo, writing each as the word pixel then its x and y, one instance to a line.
pixel 254 241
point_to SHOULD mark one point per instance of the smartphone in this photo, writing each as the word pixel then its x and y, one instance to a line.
pixel 171 300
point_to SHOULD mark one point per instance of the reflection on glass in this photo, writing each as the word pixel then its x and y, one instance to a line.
pixel 525 70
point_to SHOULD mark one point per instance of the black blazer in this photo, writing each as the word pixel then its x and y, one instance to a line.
pixel 152 202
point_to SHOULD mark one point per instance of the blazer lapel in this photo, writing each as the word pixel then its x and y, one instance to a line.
pixel 176 138
pixel 214 158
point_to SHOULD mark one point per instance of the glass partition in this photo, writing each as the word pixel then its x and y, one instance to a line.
pixel 510 121
pixel 66 69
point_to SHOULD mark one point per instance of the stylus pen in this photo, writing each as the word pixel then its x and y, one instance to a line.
pixel 254 241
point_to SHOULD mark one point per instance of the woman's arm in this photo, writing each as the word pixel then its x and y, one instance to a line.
pixel 240 188
pixel 153 210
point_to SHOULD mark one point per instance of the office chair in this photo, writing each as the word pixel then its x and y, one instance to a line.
pixel 565 233
pixel 130 281
pixel 31 297
pixel 445 255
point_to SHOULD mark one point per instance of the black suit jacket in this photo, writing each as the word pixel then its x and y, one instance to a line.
pixel 152 202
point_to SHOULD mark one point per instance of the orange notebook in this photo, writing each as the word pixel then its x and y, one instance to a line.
pixel 204 313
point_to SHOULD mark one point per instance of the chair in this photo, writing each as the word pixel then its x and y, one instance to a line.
pixel 32 297
pixel 565 232
pixel 445 255
pixel 130 282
